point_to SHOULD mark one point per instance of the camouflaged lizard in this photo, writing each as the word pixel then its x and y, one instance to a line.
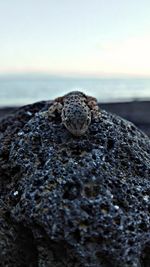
pixel 76 110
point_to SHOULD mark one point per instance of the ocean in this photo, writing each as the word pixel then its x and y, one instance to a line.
pixel 26 89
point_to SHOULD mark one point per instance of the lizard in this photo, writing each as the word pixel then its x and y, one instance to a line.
pixel 76 110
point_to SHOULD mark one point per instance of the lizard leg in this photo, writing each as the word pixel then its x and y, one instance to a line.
pixel 93 105
pixel 55 107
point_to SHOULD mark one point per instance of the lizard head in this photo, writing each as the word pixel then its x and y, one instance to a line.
pixel 76 115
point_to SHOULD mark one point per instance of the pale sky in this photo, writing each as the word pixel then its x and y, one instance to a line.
pixel 83 37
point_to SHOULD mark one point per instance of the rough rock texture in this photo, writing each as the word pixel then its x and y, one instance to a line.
pixel 73 202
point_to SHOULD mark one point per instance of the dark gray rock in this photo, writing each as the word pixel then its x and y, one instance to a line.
pixel 136 111
pixel 68 201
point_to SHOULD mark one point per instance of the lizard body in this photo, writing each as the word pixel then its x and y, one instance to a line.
pixel 76 110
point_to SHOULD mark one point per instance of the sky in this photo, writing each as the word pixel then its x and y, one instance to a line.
pixel 75 37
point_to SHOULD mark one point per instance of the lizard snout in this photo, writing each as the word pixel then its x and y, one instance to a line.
pixel 77 119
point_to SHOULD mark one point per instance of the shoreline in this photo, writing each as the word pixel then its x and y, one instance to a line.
pixel 137 112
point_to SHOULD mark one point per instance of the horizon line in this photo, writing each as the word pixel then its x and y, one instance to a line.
pixel 73 74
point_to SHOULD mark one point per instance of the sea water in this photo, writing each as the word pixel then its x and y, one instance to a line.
pixel 26 89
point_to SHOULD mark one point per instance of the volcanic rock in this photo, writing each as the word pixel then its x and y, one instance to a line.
pixel 73 201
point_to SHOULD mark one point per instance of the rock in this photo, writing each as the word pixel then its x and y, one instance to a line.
pixel 73 201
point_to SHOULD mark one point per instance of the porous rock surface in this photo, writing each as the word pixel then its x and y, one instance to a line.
pixel 73 201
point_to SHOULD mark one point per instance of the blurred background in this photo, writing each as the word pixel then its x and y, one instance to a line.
pixel 101 47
